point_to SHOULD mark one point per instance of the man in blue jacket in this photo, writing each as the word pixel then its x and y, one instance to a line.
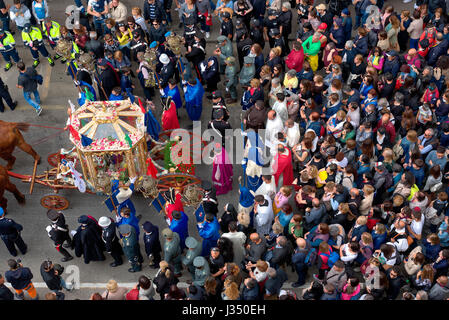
pixel 392 63
pixel 20 279
pixel 209 231
pixel 180 224
pixel 153 246
pixel 298 260
pixel 437 50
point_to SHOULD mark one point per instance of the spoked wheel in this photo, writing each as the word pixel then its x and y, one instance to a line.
pixel 178 181
pixel 194 140
pixel 55 202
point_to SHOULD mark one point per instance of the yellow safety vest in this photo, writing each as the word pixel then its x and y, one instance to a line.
pixel 35 34
pixel 7 41
pixel 55 34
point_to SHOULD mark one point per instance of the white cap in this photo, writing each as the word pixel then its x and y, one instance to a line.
pixel 104 222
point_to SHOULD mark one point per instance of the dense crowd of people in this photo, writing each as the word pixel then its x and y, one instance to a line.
pixel 355 111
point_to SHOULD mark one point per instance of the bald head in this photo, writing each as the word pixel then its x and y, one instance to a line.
pixel 271 114
pixel 385 118
pixel 354 192
pixel 301 243
pixel 316 202
pixel 254 237
pixel 412 52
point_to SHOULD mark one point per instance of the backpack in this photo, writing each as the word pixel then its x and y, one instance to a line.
pixel 38 78
pixel 398 152
pixel 133 294
pixel 332 258
pixel 310 259
pixel 388 180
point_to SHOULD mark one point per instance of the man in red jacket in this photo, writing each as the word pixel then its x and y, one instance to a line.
pixel 295 58
pixel 389 127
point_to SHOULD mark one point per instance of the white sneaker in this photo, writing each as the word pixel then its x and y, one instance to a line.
pixel 39 111
pixel 406 1
pixel 207 35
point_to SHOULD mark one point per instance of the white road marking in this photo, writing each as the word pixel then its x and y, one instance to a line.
pixel 87 285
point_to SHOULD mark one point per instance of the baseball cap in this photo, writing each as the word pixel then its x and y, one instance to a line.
pixel 322 26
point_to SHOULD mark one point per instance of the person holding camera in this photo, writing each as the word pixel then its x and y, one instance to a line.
pixel 20 279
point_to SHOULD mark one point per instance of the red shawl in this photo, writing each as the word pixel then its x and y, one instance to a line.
pixel 283 166
pixel 170 118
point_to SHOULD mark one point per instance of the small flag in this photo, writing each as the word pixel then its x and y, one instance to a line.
pixel 159 203
pixel 85 140
pixel 111 203
pixel 89 95
pixel 141 106
pixel 200 214
pixel 151 169
pixel 128 139
pixel 74 133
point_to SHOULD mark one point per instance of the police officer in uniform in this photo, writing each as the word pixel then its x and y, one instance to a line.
pixel 202 271
pixel 8 48
pixel 152 244
pixel 256 32
pixel 130 245
pixel 227 27
pixel 52 33
pixel 193 251
pixel 190 29
pixel 278 40
pixel 58 231
pixel 210 73
pixel 269 24
pixel 240 27
pixel 167 71
pixel 219 125
pixel 172 250
pixel 209 201
pixel 111 241
pixel 4 95
pixel 219 103
pixel 256 116
pixel 223 51
pixel 10 234
pixel 244 44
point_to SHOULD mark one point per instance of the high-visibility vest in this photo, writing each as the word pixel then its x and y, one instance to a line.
pixel 55 34
pixel 35 34
pixel 8 42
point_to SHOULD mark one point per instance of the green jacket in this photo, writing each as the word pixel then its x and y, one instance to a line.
pixel 172 249
pixel 226 51
pixel 230 76
pixel 130 245
pixel 187 260
pixel 201 275
pixel 246 74
pixel 311 48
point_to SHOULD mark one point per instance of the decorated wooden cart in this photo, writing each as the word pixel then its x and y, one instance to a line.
pixel 110 142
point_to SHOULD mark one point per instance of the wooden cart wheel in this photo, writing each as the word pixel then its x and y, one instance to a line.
pixel 53 159
pixel 54 202
pixel 176 180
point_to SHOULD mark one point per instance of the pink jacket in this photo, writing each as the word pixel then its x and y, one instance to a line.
pixel 345 296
